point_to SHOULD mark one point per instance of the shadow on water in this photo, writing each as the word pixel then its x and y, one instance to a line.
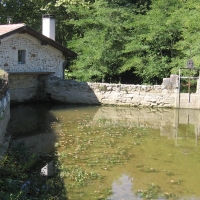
pixel 34 131
pixel 108 152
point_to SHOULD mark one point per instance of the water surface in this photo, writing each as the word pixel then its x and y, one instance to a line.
pixel 116 153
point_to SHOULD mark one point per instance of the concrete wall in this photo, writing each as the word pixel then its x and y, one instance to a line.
pixel 4 105
pixel 25 88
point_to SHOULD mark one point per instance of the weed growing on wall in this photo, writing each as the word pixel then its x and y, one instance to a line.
pixel 1 73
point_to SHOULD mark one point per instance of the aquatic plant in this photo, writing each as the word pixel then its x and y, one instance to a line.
pixel 152 192
pixel 18 181
pixel 78 176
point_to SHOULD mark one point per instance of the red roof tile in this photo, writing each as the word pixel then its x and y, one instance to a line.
pixel 9 27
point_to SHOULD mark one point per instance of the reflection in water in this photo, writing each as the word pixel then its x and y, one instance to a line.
pixel 168 121
pixel 31 124
pixel 122 189
pixel 96 145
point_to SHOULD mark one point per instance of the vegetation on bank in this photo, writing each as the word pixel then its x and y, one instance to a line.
pixel 3 83
pixel 2 73
pixel 127 41
pixel 20 176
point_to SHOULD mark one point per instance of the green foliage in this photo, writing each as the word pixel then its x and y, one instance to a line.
pixel 151 193
pixel 148 39
pixel 78 175
pixel 98 40
pixel 152 42
pixel 19 182
pixel 154 192
pixel 22 11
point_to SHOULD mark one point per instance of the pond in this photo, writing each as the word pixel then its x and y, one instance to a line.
pixel 115 153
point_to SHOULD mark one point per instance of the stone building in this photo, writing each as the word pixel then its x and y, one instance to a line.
pixel 31 57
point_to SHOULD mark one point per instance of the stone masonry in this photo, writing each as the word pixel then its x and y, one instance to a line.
pixel 38 58
pixel 164 95
pixel 26 80
pixel 4 105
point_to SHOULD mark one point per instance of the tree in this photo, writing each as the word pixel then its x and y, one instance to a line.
pixel 152 44
pixel 146 40
pixel 22 11
pixel 99 36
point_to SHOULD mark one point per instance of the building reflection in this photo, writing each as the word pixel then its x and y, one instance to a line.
pixel 32 125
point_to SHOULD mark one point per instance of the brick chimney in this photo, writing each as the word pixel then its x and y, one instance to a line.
pixel 48 25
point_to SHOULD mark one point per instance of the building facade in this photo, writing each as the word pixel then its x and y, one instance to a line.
pixel 30 58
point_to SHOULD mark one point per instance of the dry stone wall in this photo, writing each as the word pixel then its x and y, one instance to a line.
pixel 113 94
pixel 164 95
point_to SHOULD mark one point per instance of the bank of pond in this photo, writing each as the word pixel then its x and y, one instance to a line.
pixel 60 151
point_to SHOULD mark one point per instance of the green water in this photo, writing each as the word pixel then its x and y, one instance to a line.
pixel 116 153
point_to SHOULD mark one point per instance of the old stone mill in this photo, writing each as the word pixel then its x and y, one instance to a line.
pixel 111 130
pixel 33 64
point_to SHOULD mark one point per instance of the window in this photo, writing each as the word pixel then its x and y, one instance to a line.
pixel 21 56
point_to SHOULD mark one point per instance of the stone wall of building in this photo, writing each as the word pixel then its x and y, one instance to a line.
pixel 4 105
pixel 164 95
pixel 26 80
pixel 38 58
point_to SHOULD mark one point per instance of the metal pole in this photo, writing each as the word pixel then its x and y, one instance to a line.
pixel 189 90
pixel 198 87
pixel 179 87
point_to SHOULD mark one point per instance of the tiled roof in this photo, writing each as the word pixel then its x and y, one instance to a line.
pixel 9 27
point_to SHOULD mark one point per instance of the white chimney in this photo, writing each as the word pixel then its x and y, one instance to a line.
pixel 48 26
pixel 9 19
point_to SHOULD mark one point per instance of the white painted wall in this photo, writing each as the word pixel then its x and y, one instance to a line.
pixel 48 26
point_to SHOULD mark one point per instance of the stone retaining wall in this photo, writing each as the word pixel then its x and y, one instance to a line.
pixel 34 87
pixel 26 88
pixel 4 105
pixel 164 95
